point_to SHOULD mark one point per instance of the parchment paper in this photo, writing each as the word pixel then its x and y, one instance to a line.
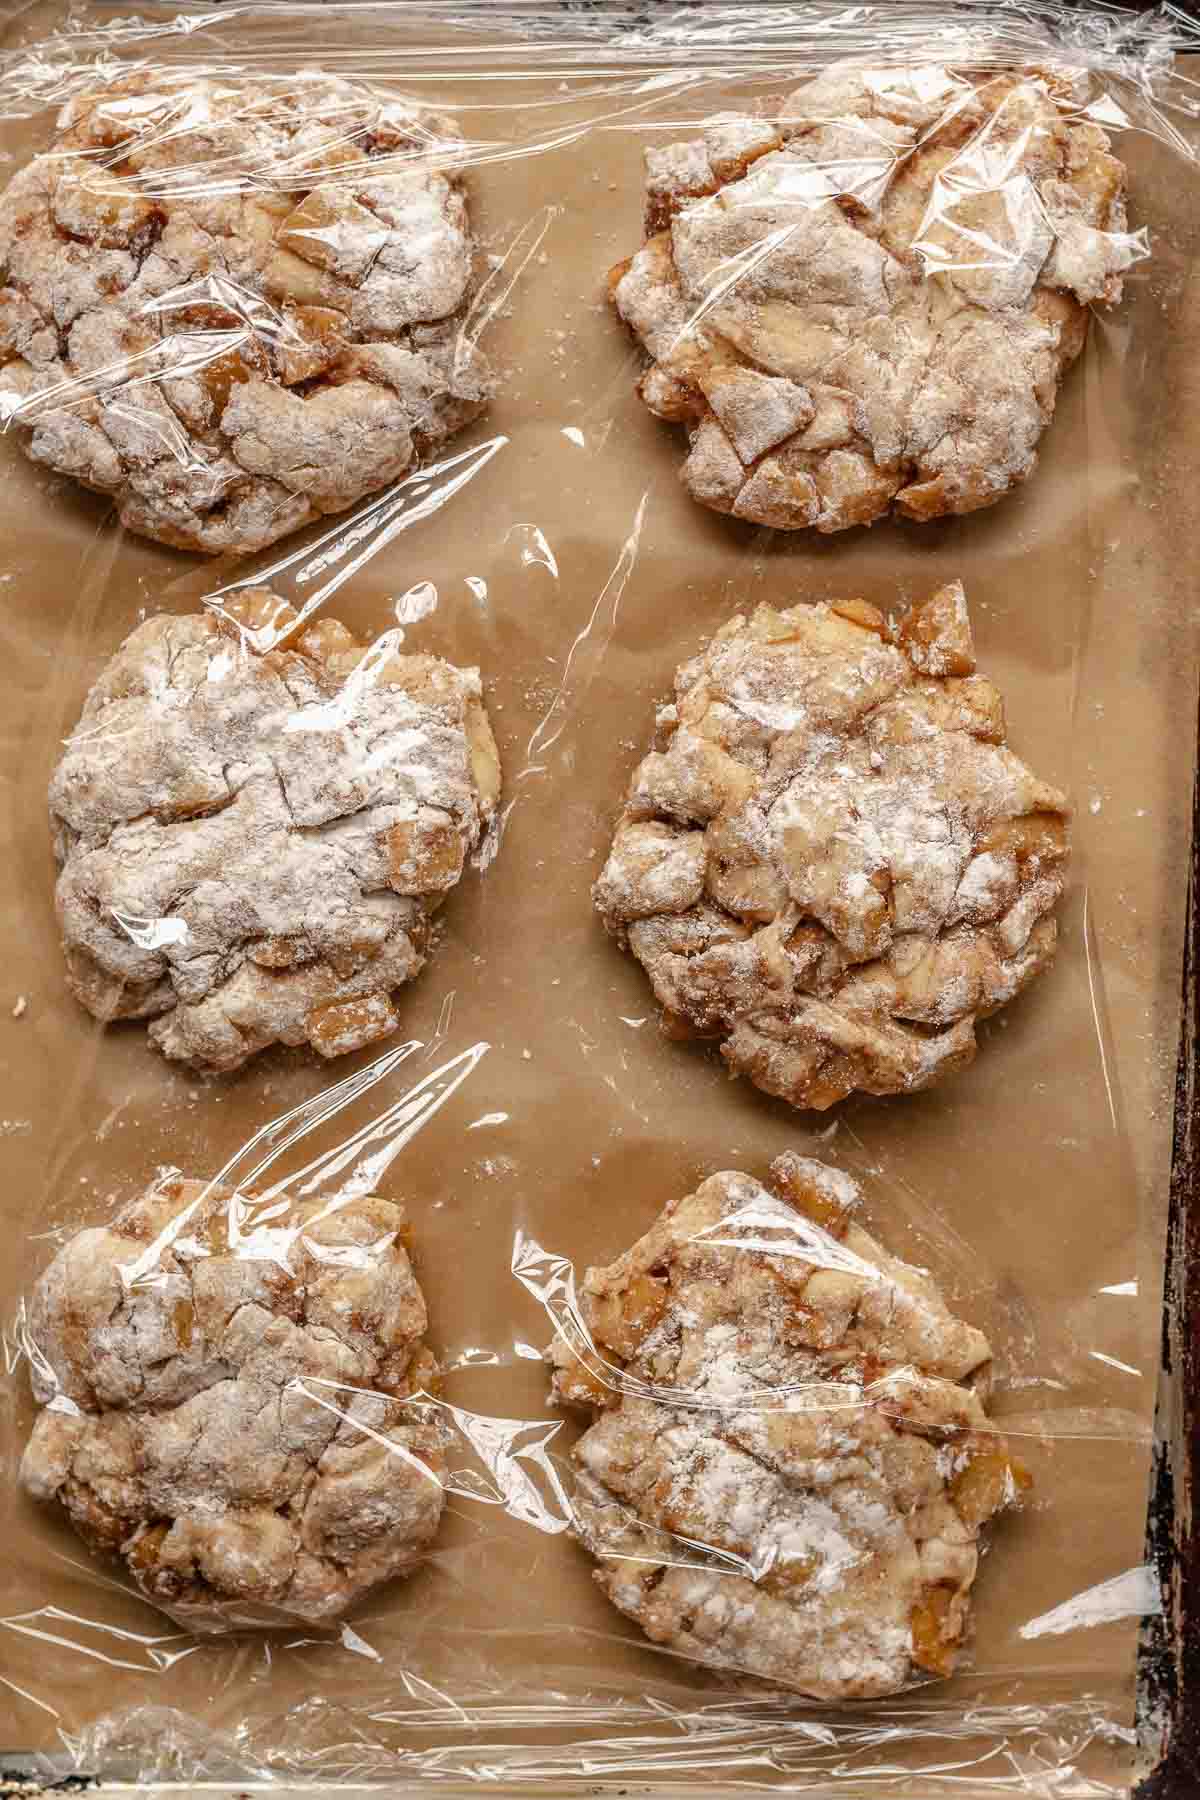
pixel 577 573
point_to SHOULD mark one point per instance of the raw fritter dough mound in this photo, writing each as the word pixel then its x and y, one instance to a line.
pixel 199 1368
pixel 237 305
pixel 869 300
pixel 253 840
pixel 790 1463
pixel 831 862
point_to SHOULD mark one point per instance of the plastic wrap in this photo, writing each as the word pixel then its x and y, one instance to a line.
pixel 375 469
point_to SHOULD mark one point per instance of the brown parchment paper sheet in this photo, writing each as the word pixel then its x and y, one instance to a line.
pixel 1031 1183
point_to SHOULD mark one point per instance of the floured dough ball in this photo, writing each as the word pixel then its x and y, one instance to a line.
pixel 229 1402
pixel 869 299
pixel 832 863
pixel 790 1461
pixel 237 305
pixel 256 821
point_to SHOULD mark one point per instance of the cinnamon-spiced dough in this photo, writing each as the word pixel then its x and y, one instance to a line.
pixel 789 1463
pixel 256 820
pixel 831 862
pixel 228 1402
pixel 868 298
pixel 237 305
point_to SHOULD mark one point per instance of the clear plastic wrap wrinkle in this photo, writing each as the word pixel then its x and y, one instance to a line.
pixel 555 556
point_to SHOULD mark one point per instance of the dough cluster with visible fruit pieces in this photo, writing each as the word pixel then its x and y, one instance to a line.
pixel 868 299
pixel 256 820
pixel 790 1461
pixel 229 1402
pixel 832 863
pixel 237 305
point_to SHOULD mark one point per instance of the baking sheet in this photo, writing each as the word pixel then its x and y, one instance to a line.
pixel 575 571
